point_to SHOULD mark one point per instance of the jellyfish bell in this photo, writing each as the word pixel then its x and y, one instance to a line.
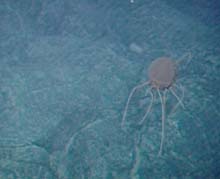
pixel 162 73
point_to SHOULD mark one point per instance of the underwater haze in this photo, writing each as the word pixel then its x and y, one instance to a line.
pixel 67 68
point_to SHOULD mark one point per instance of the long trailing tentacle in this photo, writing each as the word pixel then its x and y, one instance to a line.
pixel 177 97
pixel 163 105
pixel 129 98
pixel 149 107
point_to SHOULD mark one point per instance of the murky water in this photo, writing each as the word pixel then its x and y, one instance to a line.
pixel 66 70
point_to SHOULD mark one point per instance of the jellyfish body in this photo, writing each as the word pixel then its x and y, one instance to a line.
pixel 162 73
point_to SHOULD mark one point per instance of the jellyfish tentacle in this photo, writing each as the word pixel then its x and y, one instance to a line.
pixel 163 103
pixel 181 98
pixel 149 107
pixel 183 58
pixel 177 97
pixel 129 98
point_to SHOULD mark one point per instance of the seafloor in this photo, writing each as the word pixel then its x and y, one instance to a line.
pixel 66 70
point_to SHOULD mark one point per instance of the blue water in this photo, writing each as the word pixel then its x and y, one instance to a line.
pixel 66 70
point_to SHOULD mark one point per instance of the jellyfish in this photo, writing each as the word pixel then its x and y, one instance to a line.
pixel 162 75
